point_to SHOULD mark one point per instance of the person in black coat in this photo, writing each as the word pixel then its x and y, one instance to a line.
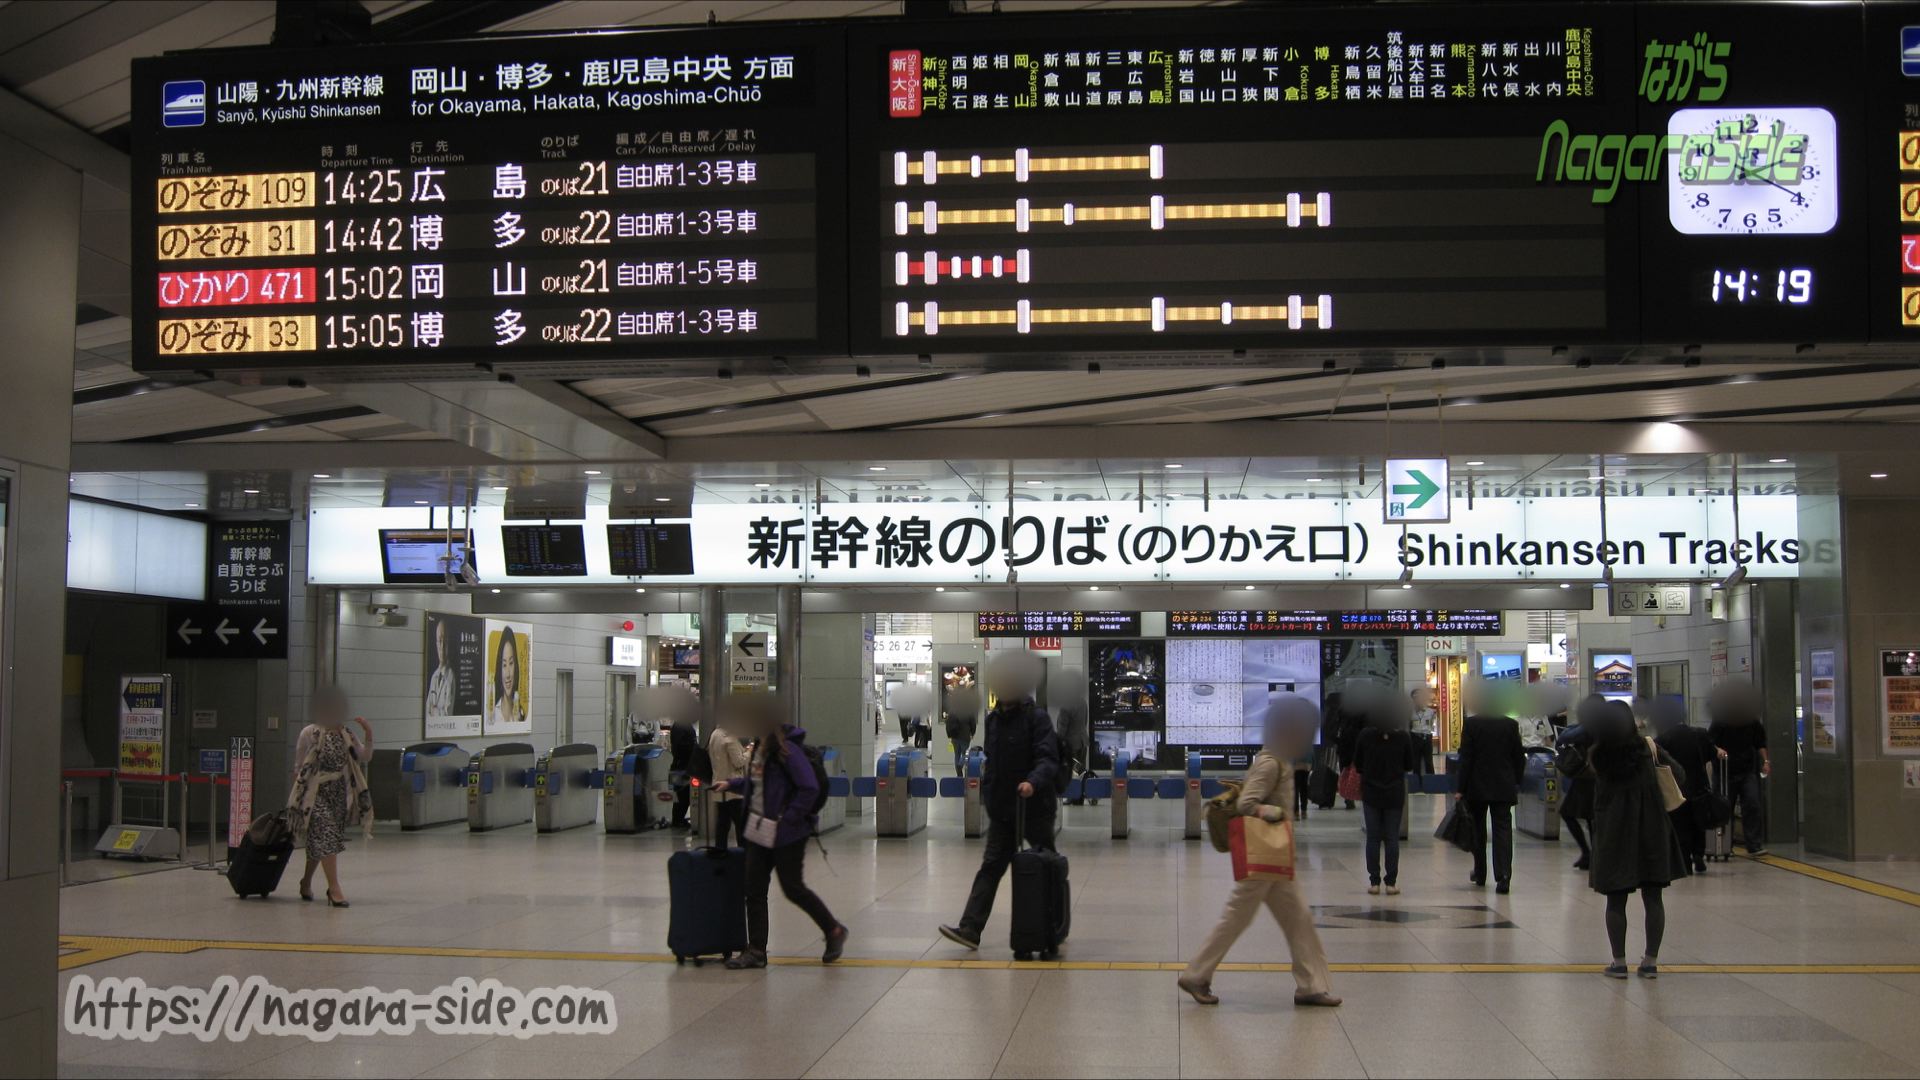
pixel 681 742
pixel 1349 720
pixel 1634 847
pixel 1576 791
pixel 1383 752
pixel 1491 764
pixel 1694 752
pixel 1022 758
pixel 1735 723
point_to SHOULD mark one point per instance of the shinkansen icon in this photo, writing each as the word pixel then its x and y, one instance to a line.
pixel 183 103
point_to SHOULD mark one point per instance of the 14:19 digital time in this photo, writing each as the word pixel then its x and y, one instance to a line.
pixel 1793 285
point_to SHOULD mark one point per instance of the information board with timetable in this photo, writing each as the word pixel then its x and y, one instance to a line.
pixel 627 195
pixel 1057 623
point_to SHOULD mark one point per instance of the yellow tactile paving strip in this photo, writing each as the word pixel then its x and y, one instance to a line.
pixel 93 950
pixel 1834 877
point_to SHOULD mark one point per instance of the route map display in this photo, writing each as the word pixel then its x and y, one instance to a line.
pixel 609 195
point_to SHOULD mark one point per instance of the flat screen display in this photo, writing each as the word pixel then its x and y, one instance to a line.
pixel 592 196
pixel 1314 623
pixel 1057 623
pixel 544 550
pixel 647 550
pixel 422 556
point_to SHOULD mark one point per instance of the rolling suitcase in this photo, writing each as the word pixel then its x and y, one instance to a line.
pixel 1720 838
pixel 1323 784
pixel 707 898
pixel 262 857
pixel 1042 901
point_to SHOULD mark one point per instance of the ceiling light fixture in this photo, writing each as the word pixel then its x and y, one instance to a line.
pixel 1877 476
pixel 256 491
pixel 639 590
pixel 591 472
pixel 661 498
pixel 1175 465
pixel 1035 483
pixel 495 590
pixel 322 476
pixel 193 506
pixel 1566 585
pixel 1249 588
pixel 939 588
pixel 763 484
pixel 1476 463
pixel 1093 588
pixel 876 468
pixel 1315 480
pixel 1776 461
pixel 419 502
pixel 501 488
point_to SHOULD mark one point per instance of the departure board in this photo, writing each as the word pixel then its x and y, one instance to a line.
pixel 1058 623
pixel 635 550
pixel 544 550
pixel 588 197
pixel 1286 177
pixel 1317 623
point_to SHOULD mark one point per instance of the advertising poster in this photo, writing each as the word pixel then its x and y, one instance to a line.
pixel 509 686
pixel 1502 666
pixel 1900 701
pixel 456 668
pixel 143 725
pixel 1823 735
pixel 1126 690
pixel 1613 674
pixel 1347 661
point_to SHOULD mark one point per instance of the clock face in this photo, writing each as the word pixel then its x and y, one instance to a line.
pixel 1755 171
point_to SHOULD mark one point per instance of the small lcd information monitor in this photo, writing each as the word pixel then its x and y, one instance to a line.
pixel 649 550
pixel 422 556
pixel 544 550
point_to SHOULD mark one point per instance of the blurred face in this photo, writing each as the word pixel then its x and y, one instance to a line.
pixel 330 710
pixel 1423 698
pixel 1289 727
pixel 1013 676
pixel 749 716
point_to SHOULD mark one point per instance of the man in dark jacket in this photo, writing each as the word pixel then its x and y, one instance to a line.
pixel 1491 763
pixel 1736 728
pixel 1694 750
pixel 681 743
pixel 1022 757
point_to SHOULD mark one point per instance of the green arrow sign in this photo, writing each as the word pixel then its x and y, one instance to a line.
pixel 1423 489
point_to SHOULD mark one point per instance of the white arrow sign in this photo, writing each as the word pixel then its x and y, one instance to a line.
pixel 188 632
pixel 224 632
pixel 261 630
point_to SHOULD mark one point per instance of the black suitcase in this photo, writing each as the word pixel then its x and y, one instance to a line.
pixel 1720 838
pixel 1323 787
pixel 707 891
pixel 262 857
pixel 1042 898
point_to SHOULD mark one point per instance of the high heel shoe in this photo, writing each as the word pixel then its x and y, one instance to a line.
pixel 306 892
pixel 331 902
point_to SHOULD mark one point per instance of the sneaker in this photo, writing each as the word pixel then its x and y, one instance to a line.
pixel 1616 970
pixel 836 944
pixel 970 942
pixel 1373 890
pixel 1393 890
pixel 1200 992
pixel 1755 853
pixel 747 960
pixel 1648 970
pixel 1322 1000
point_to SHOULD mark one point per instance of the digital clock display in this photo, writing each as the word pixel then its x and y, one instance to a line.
pixel 1788 285
pixel 624 195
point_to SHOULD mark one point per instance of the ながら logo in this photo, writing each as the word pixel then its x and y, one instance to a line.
pixel 1685 71
pixel 183 103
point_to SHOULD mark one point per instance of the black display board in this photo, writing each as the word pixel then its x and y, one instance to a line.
pixel 1321 623
pixel 1057 623
pixel 635 550
pixel 544 550
pixel 588 196
pixel 245 614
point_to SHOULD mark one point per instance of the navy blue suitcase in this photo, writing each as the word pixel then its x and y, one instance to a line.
pixel 707 894
pixel 255 869
pixel 1042 898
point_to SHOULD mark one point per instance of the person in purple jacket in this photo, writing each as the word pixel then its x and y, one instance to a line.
pixel 780 789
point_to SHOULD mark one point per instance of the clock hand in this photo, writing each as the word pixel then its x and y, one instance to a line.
pixel 1747 173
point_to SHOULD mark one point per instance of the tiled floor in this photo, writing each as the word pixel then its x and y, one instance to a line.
pixel 1147 899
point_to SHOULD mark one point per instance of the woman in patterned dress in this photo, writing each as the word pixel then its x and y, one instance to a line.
pixel 329 789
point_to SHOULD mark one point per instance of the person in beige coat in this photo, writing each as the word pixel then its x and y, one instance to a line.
pixel 1267 794
pixel 729 759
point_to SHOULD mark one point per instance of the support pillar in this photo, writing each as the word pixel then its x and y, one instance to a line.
pixel 713 657
pixel 786 669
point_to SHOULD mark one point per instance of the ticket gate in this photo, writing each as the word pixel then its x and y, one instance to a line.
pixel 1538 814
pixel 901 787
pixel 966 788
pixel 432 785
pixel 1191 792
pixel 1125 788
pixel 636 792
pixel 834 813
pixel 500 787
pixel 565 792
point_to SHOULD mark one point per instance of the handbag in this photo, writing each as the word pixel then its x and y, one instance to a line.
pixel 1670 794
pixel 1262 850
pixel 1456 828
pixel 1350 784
pixel 1220 812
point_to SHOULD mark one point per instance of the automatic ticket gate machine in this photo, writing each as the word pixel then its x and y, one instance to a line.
pixel 636 792
pixel 1125 789
pixel 901 788
pixel 566 794
pixel 1193 790
pixel 966 788
pixel 433 779
pixel 500 786
pixel 1538 814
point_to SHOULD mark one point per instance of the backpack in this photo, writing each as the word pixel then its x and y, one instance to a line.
pixel 700 766
pixel 1062 772
pixel 817 759
pixel 1571 760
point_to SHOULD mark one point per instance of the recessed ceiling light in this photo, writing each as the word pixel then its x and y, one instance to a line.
pixel 939 588
pixel 1406 584
pixel 876 468
pixel 1877 476
pixel 1315 479
pixel 1776 461
pixel 249 491
pixel 1176 494
pixel 763 485
pixel 322 476
pixel 495 590
pixel 193 506
pixel 419 502
pixel 500 487
pixel 591 472
pixel 1597 476
pixel 1093 588
pixel 1249 588
pixel 1175 465
pixel 1035 483
pixel 640 590
pixel 1476 463
pixel 1566 585
pixel 661 498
